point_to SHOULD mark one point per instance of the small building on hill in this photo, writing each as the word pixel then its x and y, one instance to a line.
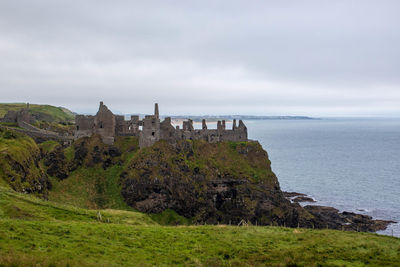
pixel 20 116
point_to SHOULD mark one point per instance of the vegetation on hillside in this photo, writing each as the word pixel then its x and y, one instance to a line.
pixel 19 163
pixel 58 127
pixel 93 180
pixel 36 232
pixel 40 112
pixel 246 160
pixel 90 173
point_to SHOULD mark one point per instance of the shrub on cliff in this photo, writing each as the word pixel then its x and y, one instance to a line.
pixel 20 163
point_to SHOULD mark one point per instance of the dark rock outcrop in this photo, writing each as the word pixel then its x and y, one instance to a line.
pixel 210 183
pixel 303 199
pixel 332 219
pixel 293 194
pixel 56 164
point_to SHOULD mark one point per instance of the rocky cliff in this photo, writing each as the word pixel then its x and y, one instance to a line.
pixel 227 182
pixel 210 183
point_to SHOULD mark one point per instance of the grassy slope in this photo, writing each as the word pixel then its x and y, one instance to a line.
pixel 47 112
pixel 92 186
pixel 33 232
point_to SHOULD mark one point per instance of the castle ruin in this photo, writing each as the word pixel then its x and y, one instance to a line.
pixel 19 117
pixel 151 129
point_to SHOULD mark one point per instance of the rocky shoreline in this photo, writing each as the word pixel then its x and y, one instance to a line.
pixel 338 220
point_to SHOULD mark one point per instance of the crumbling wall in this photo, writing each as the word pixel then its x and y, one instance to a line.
pixel 22 115
pixel 127 128
pixel 84 126
pixel 167 131
pixel 11 117
pixel 104 124
pixel 150 132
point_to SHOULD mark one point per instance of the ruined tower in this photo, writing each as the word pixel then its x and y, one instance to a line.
pixel 156 113
pixel 151 129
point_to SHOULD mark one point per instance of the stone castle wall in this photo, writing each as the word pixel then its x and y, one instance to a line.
pixel 19 116
pixel 108 126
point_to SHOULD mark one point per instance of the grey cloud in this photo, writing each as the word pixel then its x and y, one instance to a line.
pixel 298 57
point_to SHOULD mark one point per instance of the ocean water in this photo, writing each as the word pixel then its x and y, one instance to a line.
pixel 350 164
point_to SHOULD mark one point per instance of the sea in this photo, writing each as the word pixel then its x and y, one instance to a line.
pixel 350 164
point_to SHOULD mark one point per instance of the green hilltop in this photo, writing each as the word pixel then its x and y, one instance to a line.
pixel 40 112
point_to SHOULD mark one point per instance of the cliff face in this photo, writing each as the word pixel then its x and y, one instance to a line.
pixel 210 183
pixel 20 164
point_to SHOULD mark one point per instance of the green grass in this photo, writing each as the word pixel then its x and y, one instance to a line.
pixel 93 186
pixel 246 160
pixel 48 146
pixel 69 153
pixel 170 217
pixel 9 124
pixel 90 188
pixel 29 208
pixel 36 232
pixel 61 127
pixel 45 112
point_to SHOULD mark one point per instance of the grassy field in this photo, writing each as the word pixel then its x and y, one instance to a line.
pixel 35 232
pixel 45 112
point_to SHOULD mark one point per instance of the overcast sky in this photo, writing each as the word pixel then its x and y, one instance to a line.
pixel 317 58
